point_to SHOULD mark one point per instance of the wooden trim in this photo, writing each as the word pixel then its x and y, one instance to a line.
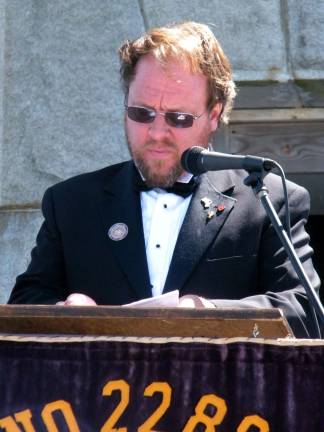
pixel 277 115
pixel 143 322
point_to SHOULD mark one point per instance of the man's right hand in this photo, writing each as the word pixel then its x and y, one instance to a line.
pixel 77 299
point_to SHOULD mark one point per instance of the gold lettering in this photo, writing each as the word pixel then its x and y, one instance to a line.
pixel 24 417
pixel 66 410
pixel 201 417
pixel 253 420
pixel 157 387
pixel 9 424
pixel 123 387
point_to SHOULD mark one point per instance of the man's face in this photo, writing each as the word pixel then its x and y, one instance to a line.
pixel 157 147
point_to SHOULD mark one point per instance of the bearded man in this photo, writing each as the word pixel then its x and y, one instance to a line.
pixel 145 227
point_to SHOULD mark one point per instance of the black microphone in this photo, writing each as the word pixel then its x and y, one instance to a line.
pixel 198 160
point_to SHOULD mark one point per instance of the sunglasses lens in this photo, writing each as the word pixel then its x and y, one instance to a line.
pixel 141 115
pixel 174 119
pixel 179 120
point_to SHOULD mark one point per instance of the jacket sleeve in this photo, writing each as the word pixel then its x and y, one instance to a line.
pixel 277 278
pixel 44 281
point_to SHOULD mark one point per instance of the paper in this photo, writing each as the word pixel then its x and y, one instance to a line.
pixel 170 299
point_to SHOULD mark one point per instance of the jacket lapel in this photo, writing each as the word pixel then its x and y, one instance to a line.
pixel 199 230
pixel 122 206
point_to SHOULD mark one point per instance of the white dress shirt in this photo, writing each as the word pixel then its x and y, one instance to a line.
pixel 163 214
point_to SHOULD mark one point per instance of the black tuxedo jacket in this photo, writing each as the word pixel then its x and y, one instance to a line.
pixel 234 258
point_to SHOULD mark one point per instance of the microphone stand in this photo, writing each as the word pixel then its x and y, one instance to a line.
pixel 255 180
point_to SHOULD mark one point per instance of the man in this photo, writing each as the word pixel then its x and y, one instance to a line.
pixel 120 234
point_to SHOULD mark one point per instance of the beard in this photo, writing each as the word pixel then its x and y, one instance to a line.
pixel 154 171
pixel 161 173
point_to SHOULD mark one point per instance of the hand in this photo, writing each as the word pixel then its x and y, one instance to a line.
pixel 193 301
pixel 77 299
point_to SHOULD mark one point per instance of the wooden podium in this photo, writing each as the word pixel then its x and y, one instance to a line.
pixel 143 322
pixel 69 368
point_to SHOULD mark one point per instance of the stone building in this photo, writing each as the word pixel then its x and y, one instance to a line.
pixel 61 110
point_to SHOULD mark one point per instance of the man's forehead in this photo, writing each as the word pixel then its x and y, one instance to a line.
pixel 170 68
pixel 152 77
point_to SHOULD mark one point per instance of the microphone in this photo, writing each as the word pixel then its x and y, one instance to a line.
pixel 197 160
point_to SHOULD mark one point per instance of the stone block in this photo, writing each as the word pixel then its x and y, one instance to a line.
pixel 18 231
pixel 63 105
pixel 250 32
pixel 306 38
pixel 2 45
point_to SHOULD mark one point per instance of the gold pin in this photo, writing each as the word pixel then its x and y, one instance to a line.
pixel 210 215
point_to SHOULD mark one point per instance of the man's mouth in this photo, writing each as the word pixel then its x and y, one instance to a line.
pixel 160 151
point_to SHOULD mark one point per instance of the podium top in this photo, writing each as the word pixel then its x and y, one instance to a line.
pixel 146 322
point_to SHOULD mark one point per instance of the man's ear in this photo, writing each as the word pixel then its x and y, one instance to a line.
pixel 214 115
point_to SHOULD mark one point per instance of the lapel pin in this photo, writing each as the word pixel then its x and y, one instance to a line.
pixel 220 208
pixel 210 215
pixel 205 202
pixel 118 231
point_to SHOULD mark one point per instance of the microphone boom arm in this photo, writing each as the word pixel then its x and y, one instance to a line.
pixel 255 180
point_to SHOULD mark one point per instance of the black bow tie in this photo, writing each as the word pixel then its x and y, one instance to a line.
pixel 181 189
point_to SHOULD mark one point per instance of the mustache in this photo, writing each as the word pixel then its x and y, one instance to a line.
pixel 165 143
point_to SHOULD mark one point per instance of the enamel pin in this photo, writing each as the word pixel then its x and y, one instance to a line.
pixel 220 208
pixel 205 202
pixel 118 231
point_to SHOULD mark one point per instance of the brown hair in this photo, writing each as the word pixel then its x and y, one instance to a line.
pixel 191 44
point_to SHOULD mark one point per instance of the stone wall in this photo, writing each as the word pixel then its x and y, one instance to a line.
pixel 61 110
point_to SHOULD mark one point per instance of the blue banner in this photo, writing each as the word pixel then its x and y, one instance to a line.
pixel 90 385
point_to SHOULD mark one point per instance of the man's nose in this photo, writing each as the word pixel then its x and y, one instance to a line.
pixel 158 128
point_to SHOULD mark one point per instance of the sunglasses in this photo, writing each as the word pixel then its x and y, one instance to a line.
pixel 175 119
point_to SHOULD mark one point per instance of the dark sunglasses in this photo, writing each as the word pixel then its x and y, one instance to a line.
pixel 174 119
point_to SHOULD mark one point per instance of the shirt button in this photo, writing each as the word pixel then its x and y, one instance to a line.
pixel 165 206
pixel 158 245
